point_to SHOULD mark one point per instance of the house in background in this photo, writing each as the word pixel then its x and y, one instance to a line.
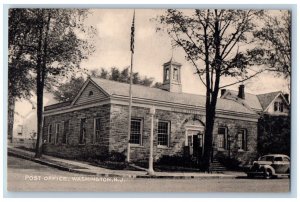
pixel 274 122
pixel 95 123
pixel 25 122
pixel 274 103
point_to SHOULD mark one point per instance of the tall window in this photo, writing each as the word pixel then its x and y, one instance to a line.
pixel 82 136
pixel 242 139
pixel 221 138
pixel 175 75
pixel 136 131
pixel 163 133
pixel 167 74
pixel 50 133
pixel 66 132
pixel 281 106
pixel 57 131
pixel 96 136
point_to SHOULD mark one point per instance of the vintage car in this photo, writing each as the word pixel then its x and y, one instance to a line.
pixel 269 166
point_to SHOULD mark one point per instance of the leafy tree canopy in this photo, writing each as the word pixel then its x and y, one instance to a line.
pixel 275 38
pixel 69 90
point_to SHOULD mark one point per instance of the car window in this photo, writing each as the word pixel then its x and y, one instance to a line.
pixel 286 159
pixel 266 158
pixel 278 159
pixel 262 158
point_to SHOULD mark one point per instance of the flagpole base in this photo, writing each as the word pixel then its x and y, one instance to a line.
pixel 151 172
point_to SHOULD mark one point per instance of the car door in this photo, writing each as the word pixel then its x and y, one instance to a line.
pixel 280 165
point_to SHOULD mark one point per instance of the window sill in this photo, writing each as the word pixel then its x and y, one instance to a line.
pixel 136 145
pixel 163 147
pixel 221 149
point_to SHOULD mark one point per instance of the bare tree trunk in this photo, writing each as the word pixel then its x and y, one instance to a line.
pixel 39 142
pixel 10 118
pixel 212 90
pixel 39 91
pixel 209 126
pixel 42 61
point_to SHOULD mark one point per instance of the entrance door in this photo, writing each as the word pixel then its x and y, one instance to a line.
pixel 195 143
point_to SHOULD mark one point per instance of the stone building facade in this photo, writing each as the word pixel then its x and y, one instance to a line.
pixel 95 123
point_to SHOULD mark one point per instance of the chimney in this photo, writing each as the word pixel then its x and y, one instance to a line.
pixel 241 91
pixel 286 96
pixel 223 91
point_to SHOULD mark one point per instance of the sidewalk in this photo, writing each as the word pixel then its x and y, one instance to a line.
pixel 87 169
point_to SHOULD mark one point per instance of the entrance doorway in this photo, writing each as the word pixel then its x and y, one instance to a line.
pixel 194 142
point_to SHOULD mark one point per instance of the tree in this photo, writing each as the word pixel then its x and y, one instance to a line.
pixel 158 85
pixel 275 37
pixel 213 41
pixel 18 66
pixel 274 135
pixel 69 90
pixel 53 48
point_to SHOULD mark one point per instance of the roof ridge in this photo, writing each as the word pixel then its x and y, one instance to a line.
pixel 270 92
pixel 238 91
pixel 185 93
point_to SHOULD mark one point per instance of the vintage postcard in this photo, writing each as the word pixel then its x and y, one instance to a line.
pixel 149 100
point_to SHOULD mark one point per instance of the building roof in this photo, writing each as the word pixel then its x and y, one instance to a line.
pixel 155 94
pixel 250 99
pixel 266 98
pixel 172 61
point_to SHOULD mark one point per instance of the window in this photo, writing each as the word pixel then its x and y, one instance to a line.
pixel 167 74
pixel 278 106
pixel 241 141
pixel 20 130
pixel 163 133
pixel 175 75
pixel 221 138
pixel 281 106
pixel 136 131
pixel 266 158
pixel 50 133
pixel 57 131
pixel 286 159
pixel 278 158
pixel 96 136
pixel 275 106
pixel 91 93
pixel 66 132
pixel 82 136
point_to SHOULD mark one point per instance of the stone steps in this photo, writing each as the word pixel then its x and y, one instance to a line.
pixel 216 166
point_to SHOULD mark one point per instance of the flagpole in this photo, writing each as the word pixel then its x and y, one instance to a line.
pixel 130 88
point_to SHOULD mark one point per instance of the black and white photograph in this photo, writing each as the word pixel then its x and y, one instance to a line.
pixel 193 100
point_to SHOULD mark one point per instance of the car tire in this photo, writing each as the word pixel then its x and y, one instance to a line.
pixel 267 174
pixel 250 176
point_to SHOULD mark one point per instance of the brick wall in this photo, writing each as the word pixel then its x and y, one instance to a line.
pixel 73 149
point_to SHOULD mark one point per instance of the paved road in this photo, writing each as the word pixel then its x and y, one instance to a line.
pixel 24 175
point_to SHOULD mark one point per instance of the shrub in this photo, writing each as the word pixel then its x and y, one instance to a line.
pixel 176 160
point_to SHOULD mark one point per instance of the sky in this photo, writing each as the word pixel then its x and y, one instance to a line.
pixel 152 49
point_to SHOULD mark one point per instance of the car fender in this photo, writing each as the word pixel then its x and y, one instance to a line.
pixel 268 167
